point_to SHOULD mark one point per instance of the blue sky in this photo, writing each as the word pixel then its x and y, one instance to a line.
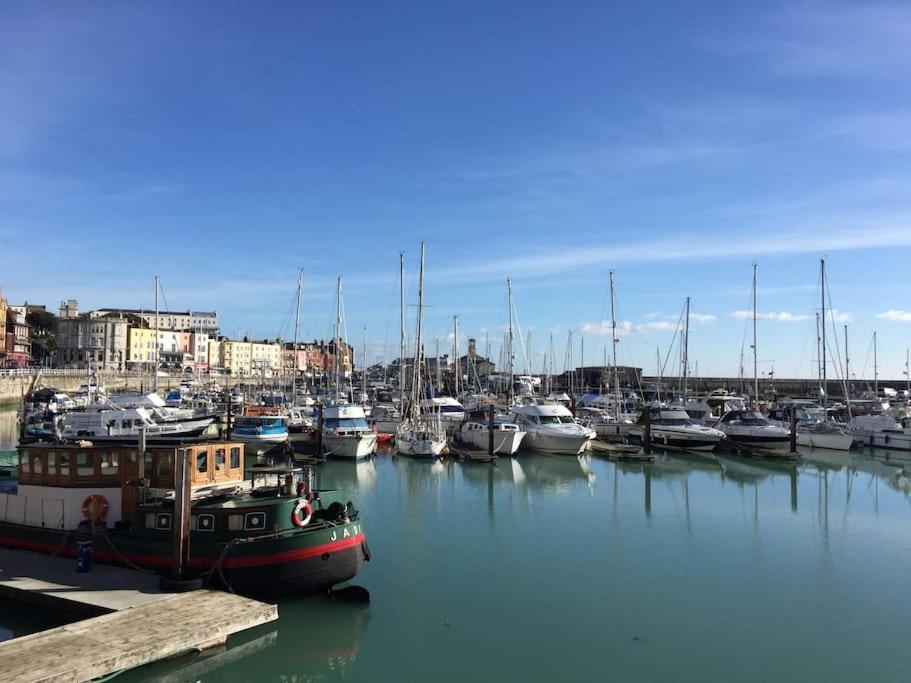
pixel 222 145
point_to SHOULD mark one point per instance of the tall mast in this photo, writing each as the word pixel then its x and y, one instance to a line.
pixel 847 374
pixel 439 382
pixel 297 324
pixel 569 355
pixel 415 406
pixel 686 347
pixel 401 328
pixel 364 369
pixel 908 373
pixel 755 350
pixel 155 371
pixel 338 325
pixel 822 327
pixel 455 351
pixel 875 368
pixel 613 334
pixel 528 368
pixel 509 345
pixel 582 364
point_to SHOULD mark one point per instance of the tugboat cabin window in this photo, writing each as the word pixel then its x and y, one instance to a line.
pixel 65 465
pixel 163 521
pixel 52 464
pixel 235 458
pixel 205 522
pixel 202 461
pixel 219 459
pixel 109 464
pixel 37 465
pixel 84 465
pixel 24 463
pixel 255 521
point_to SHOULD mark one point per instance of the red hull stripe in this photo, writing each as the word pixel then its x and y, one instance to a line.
pixel 165 561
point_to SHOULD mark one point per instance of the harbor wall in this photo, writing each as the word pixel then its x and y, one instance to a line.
pixel 13 388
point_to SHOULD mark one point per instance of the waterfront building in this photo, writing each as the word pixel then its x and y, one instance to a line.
pixel 91 342
pixel 3 309
pixel 176 321
pixel 16 342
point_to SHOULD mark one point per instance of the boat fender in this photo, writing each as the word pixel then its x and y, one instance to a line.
pixel 95 507
pixel 302 513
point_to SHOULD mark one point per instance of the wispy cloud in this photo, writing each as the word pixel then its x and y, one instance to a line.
pixel 780 316
pixel 847 40
pixel 651 324
pixel 687 247
pixel 899 316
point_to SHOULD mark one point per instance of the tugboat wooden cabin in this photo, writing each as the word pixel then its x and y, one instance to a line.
pixel 273 534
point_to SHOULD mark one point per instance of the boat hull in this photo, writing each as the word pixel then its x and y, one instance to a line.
pixel 835 442
pixel 504 442
pixel 677 440
pixel 420 448
pixel 349 447
pixel 285 564
pixel 562 444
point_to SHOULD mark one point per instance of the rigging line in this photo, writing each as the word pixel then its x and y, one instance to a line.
pixel 287 319
pixel 670 348
pixel 837 357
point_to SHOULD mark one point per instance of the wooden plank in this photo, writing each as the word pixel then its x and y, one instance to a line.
pixel 166 627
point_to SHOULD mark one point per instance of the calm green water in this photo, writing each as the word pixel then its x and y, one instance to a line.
pixel 693 568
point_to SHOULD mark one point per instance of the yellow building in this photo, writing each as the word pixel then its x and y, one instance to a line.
pixel 265 358
pixel 140 346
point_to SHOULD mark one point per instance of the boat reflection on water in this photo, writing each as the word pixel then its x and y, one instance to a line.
pixel 887 466
pixel 316 639
pixel 355 475
pixel 557 474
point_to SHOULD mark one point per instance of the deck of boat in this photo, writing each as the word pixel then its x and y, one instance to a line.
pixel 139 623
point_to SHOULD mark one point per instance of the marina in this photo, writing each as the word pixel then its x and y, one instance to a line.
pixel 498 342
pixel 773 518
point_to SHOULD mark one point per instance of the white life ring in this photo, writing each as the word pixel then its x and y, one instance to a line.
pixel 302 513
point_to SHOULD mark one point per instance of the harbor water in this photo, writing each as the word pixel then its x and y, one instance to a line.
pixel 542 568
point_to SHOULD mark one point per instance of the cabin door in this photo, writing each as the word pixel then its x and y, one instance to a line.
pixel 129 493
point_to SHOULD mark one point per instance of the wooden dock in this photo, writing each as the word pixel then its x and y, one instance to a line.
pixel 139 623
pixel 620 451
pixel 467 454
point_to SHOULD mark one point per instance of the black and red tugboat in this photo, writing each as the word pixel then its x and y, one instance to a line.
pixel 274 533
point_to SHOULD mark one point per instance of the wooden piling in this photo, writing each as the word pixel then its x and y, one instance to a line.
pixel 793 419
pixel 490 429
pixel 319 431
pixel 647 431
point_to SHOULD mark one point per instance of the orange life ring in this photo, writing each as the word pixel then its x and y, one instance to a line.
pixel 95 507
pixel 296 516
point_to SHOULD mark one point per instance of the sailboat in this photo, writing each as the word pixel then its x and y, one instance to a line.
pixel 820 432
pixel 346 433
pixel 750 428
pixel 420 436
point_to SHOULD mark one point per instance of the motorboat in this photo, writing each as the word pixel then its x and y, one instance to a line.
pixel 475 431
pixel 346 433
pixel 814 429
pixel 385 418
pixel 551 428
pixel 124 425
pixel 750 429
pixel 260 431
pixel 881 431
pixel 606 426
pixel 449 409
pixel 674 428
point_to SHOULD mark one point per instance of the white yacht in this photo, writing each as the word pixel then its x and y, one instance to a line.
pixel 881 431
pixel 814 430
pixel 385 418
pixel 674 428
pixel 423 437
pixel 551 428
pixel 475 431
pixel 604 423
pixel 346 433
pixel 451 412
pixel 750 429
pixel 125 424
